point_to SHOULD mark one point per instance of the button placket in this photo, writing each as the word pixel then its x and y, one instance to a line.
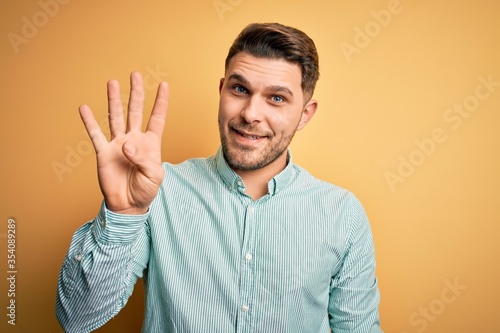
pixel 247 277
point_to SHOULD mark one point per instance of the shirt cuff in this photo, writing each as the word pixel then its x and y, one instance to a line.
pixel 114 228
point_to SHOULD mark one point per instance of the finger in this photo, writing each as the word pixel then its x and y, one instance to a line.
pixel 157 120
pixel 115 110
pixel 94 131
pixel 136 103
pixel 146 165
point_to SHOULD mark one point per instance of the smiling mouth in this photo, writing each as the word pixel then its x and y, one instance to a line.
pixel 249 136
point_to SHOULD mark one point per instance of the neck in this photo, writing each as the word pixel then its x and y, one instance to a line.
pixel 256 180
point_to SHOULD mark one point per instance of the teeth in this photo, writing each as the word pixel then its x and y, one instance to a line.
pixel 250 137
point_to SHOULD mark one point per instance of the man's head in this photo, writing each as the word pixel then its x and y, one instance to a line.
pixel 276 41
pixel 265 96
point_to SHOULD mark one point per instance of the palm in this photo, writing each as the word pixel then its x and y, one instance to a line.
pixel 129 165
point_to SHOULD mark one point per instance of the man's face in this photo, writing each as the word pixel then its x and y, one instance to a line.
pixel 261 106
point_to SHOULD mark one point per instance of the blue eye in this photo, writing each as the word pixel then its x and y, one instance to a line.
pixel 277 99
pixel 240 89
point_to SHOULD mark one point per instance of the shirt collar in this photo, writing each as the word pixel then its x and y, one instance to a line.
pixel 234 182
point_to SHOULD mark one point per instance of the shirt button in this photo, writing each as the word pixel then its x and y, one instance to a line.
pixel 103 223
pixel 240 183
pixel 245 308
pixel 248 256
pixel 78 258
pixel 251 209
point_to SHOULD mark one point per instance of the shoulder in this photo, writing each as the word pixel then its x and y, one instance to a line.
pixel 192 171
pixel 326 195
pixel 190 165
pixel 308 182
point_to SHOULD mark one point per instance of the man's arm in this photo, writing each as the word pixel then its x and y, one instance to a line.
pixel 109 254
pixel 105 259
pixel 354 294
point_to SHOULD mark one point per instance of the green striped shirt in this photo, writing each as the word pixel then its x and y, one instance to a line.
pixel 299 259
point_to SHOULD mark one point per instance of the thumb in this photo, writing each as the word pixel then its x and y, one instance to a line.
pixel 129 150
pixel 136 157
pixel 143 162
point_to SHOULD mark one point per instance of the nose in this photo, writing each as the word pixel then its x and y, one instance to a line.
pixel 253 110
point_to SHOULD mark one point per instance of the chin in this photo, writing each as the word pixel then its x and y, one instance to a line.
pixel 242 159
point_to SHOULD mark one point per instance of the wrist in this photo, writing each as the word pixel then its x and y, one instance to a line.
pixel 127 211
pixel 132 211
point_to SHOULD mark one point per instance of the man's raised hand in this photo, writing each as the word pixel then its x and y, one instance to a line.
pixel 129 164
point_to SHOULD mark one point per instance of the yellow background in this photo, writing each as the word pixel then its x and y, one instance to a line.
pixel 435 225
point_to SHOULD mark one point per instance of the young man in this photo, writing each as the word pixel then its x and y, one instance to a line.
pixel 244 241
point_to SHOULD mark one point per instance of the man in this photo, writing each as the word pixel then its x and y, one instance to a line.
pixel 244 241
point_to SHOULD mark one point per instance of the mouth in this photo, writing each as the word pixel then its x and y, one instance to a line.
pixel 247 137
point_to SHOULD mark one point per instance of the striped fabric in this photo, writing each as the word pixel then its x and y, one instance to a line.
pixel 299 259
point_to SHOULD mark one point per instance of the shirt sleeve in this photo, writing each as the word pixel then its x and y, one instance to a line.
pixel 354 294
pixel 105 259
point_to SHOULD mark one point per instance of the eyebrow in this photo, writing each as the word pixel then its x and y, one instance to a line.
pixel 280 89
pixel 274 88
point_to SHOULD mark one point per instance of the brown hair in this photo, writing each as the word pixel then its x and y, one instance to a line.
pixel 277 41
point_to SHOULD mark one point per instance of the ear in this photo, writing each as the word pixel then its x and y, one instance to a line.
pixel 307 113
pixel 221 84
